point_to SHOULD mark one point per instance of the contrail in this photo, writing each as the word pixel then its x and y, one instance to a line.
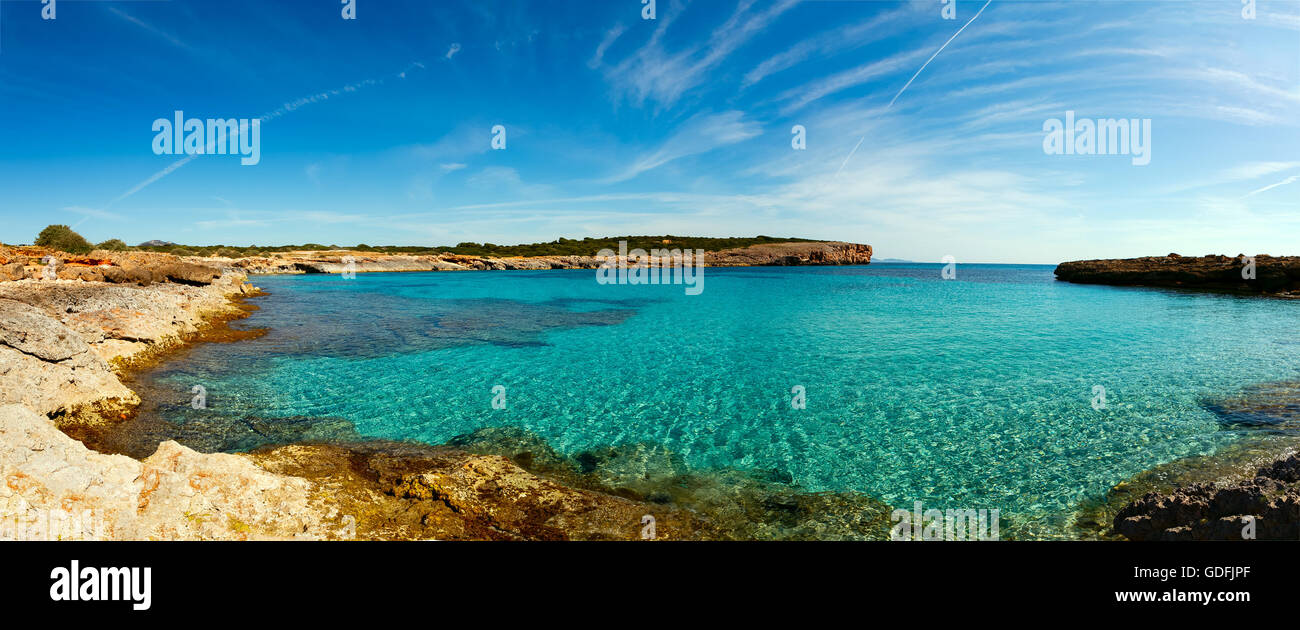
pixel 1290 180
pixel 918 73
pixel 936 53
pixel 271 115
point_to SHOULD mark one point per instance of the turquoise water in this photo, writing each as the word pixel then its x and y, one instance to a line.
pixel 974 392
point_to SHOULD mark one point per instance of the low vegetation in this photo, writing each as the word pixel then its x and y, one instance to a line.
pixel 62 237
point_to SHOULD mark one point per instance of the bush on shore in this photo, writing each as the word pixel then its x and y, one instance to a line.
pixel 112 245
pixel 62 238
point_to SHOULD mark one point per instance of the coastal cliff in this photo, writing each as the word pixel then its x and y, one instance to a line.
pixel 332 261
pixel 1269 275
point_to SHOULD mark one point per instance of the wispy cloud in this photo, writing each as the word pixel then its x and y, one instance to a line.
pixel 654 73
pixel 700 134
pixel 799 97
pixel 841 39
pixel 172 39
pixel 611 36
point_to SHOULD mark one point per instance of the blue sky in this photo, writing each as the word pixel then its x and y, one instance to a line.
pixel 378 129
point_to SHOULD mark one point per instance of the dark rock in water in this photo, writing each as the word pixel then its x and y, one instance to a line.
pixel 414 325
pixel 414 491
pixel 1274 406
pixel 1261 274
pixel 212 432
pixel 525 448
pixel 1212 511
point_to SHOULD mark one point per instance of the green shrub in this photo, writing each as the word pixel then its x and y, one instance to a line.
pixel 112 245
pixel 62 238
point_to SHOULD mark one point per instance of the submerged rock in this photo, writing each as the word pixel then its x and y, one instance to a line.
pixel 413 491
pixel 738 505
pixel 1274 406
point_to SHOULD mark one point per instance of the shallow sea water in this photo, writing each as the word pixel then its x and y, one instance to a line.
pixel 968 393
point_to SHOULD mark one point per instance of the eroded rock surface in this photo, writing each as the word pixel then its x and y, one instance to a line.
pixel 56 488
pixel 49 367
pixel 1220 511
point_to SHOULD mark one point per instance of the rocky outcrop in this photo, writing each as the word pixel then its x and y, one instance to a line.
pixel 414 491
pixel 1220 511
pixel 57 489
pixel 49 367
pixel 823 253
pixel 1271 275
pixel 121 321
pixel 142 268
pixel 735 504
pixel 62 340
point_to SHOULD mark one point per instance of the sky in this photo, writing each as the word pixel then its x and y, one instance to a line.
pixel 923 136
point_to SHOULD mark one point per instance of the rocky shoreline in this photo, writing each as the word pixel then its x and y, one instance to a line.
pixel 1260 275
pixel 1211 496
pixel 1265 507
pixel 69 344
pixel 68 347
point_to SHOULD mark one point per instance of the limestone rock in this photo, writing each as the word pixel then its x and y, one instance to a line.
pixel 48 366
pixel 174 494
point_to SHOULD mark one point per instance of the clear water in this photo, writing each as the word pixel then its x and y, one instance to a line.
pixel 975 392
